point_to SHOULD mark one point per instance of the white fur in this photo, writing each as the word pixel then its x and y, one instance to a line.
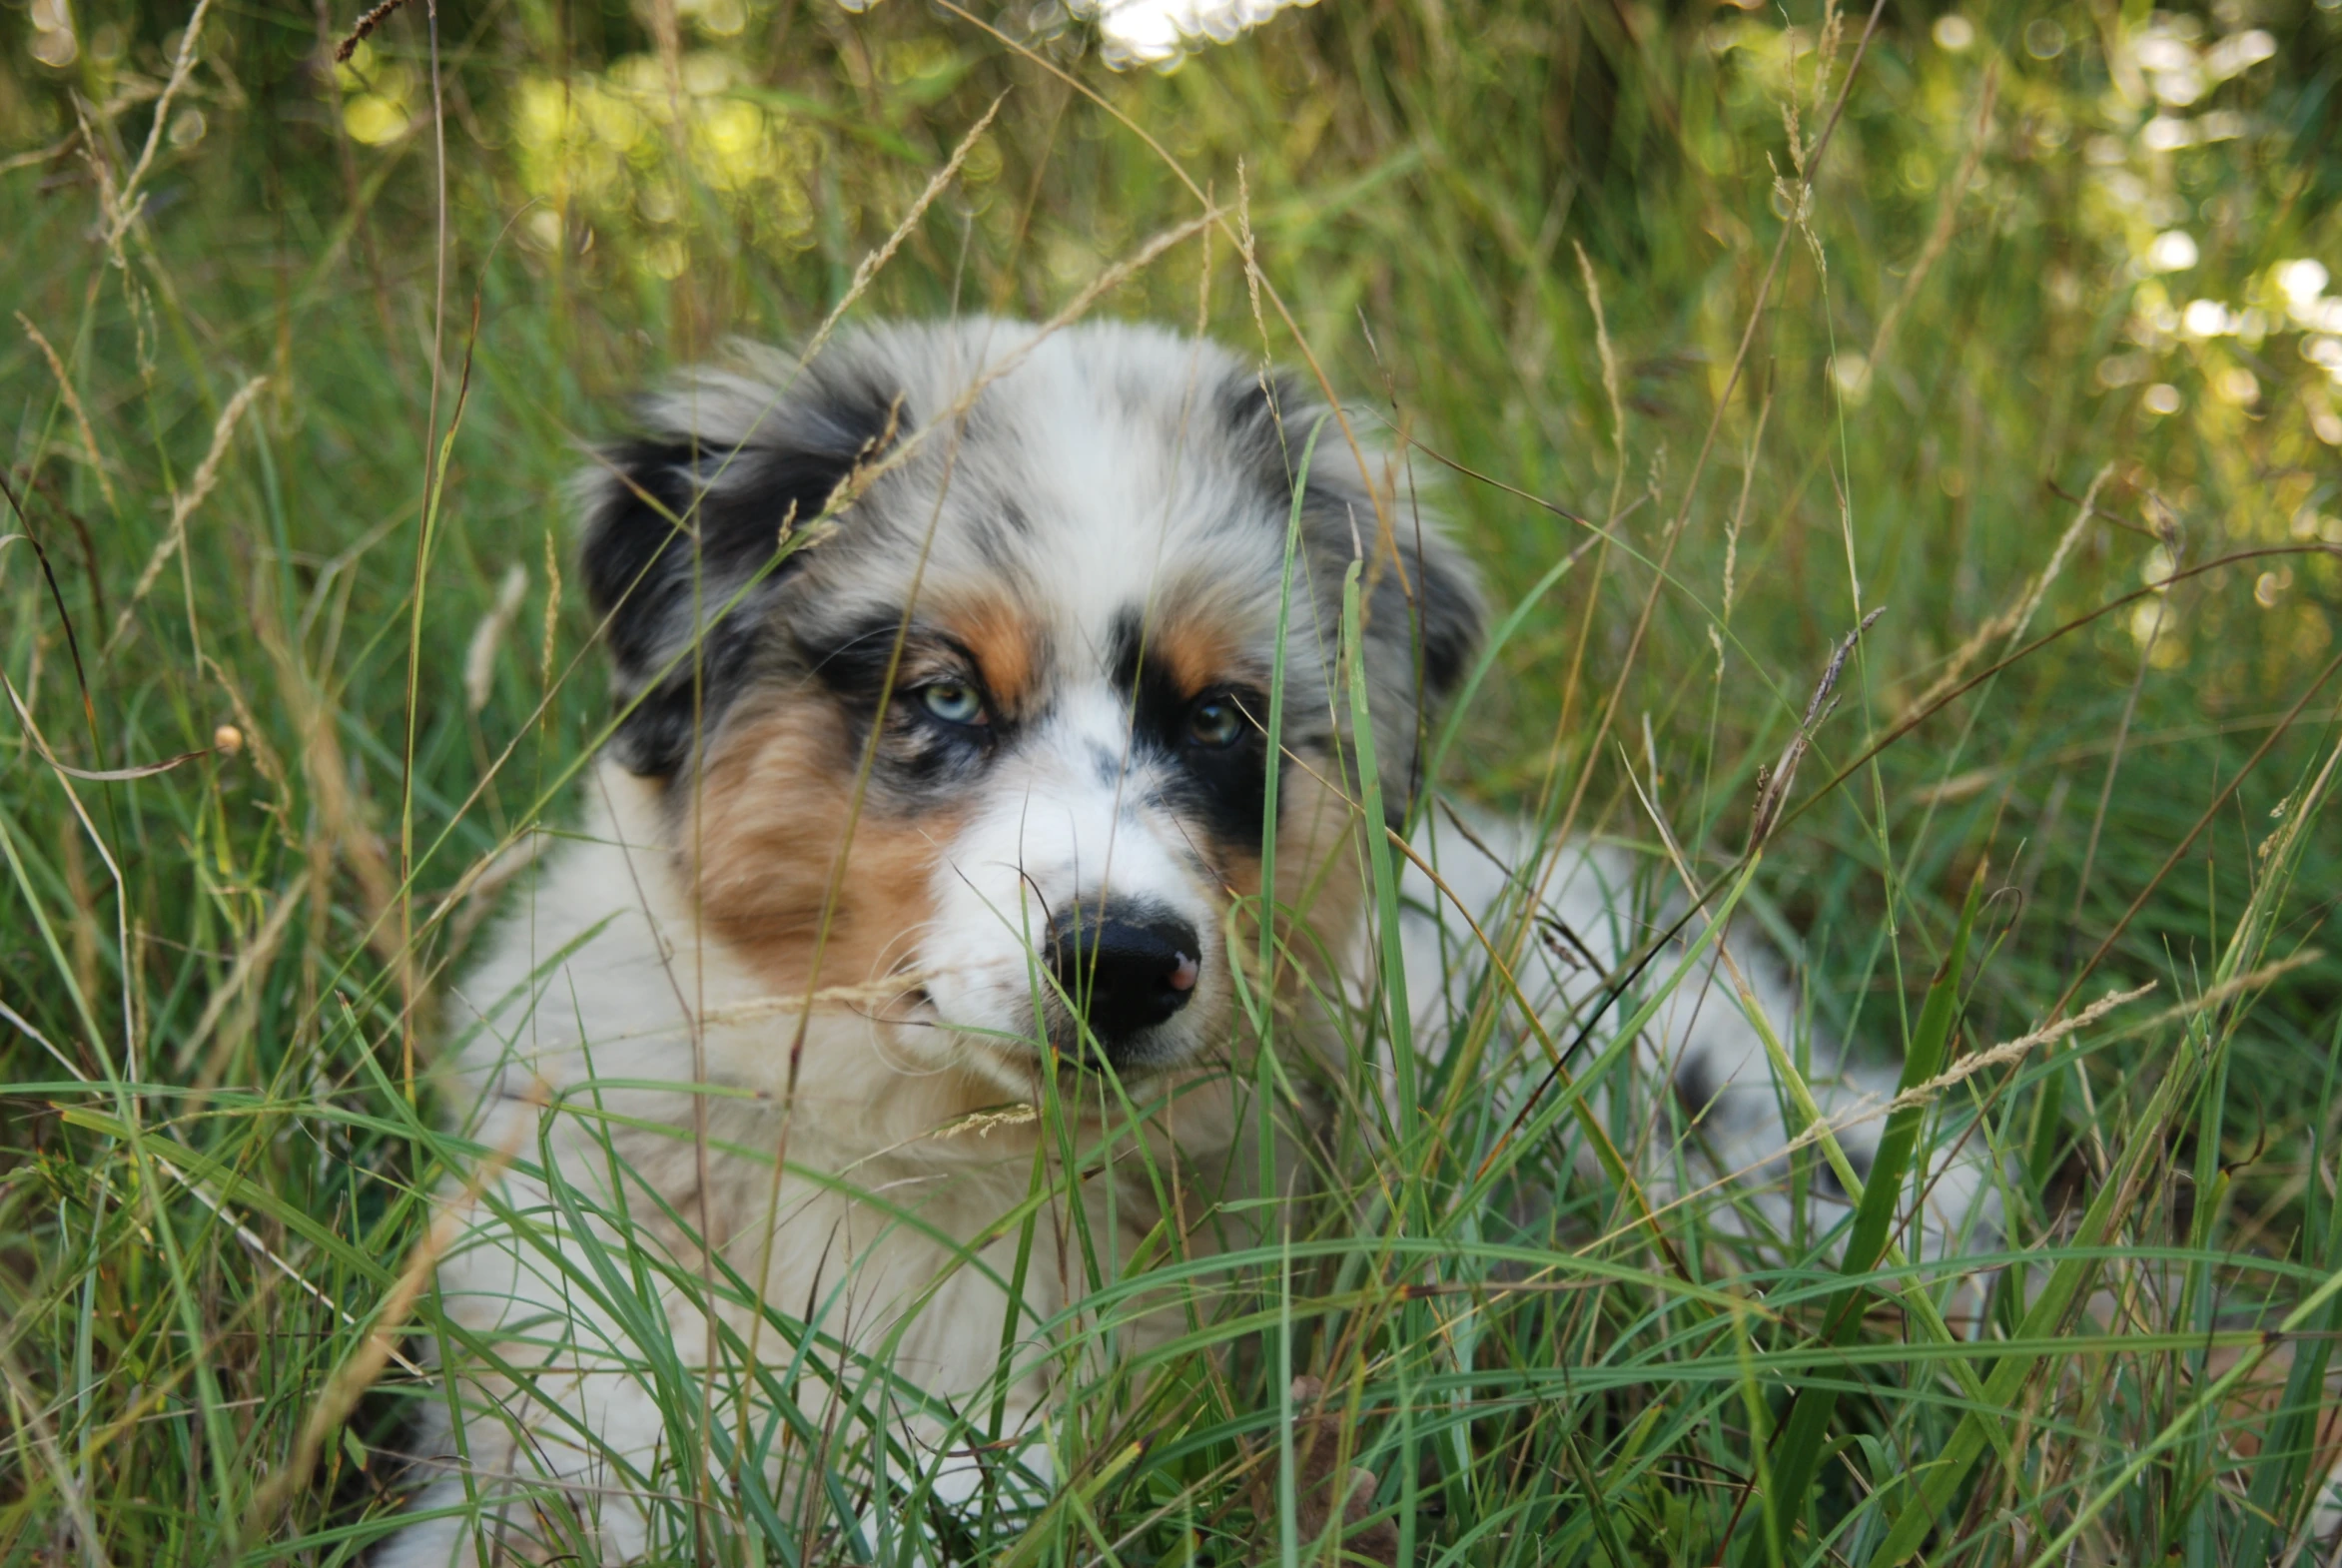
pixel 1700 1056
pixel 1057 825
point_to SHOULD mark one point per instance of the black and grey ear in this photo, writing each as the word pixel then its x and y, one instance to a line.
pixel 683 550
pixel 1426 616
pixel 1446 615
pixel 1423 628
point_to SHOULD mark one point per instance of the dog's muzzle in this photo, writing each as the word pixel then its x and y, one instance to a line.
pixel 1125 970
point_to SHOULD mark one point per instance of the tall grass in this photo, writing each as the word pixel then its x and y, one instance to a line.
pixel 1714 330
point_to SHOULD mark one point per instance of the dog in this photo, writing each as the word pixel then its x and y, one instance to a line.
pixel 958 669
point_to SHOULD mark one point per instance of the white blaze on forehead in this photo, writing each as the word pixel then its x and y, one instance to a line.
pixel 1113 456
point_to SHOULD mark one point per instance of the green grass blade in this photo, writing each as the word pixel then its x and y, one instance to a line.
pixel 1796 1455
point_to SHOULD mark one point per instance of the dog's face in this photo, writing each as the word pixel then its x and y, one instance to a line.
pixel 987 747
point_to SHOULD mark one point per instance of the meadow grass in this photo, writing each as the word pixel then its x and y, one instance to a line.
pixel 1714 331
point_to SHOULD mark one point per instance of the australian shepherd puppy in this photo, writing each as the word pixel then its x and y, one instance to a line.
pixel 980 688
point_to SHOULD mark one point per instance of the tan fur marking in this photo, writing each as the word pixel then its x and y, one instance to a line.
pixel 1004 643
pixel 1319 884
pixel 1318 860
pixel 1196 649
pixel 773 807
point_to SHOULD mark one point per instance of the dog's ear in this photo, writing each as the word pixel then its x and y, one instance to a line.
pixel 1446 612
pixel 1426 616
pixel 685 549
pixel 1424 624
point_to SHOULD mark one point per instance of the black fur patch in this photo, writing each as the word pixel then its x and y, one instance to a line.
pixel 678 528
pixel 917 751
pixel 1221 788
pixel 853 663
pixel 1444 615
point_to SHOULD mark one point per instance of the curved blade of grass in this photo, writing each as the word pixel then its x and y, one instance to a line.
pixel 2280 1484
pixel 1379 859
pixel 1798 1455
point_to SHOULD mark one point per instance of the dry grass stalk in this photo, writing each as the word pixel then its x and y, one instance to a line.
pixel 36 157
pixel 1609 359
pixel 182 504
pixel 1959 1071
pixel 2065 542
pixel 475 891
pixel 364 30
pixel 480 659
pixel 254 738
pixel 2009 1051
pixel 125 204
pixel 341 830
pixel 2220 993
pixel 552 613
pixel 1955 669
pixel 2010 623
pixel 1740 511
pixel 249 963
pixel 327 772
pixel 876 260
pixel 81 418
pixel 1775 783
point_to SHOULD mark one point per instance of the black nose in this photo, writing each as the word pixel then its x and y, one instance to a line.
pixel 1125 972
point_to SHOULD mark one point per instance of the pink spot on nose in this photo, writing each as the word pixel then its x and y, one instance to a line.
pixel 1184 976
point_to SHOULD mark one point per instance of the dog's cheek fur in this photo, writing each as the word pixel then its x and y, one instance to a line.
pixel 1317 883
pixel 1316 862
pixel 772 807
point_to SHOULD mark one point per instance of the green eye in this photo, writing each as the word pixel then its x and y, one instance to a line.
pixel 954 702
pixel 1215 722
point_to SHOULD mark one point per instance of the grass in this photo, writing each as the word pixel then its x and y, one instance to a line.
pixel 270 473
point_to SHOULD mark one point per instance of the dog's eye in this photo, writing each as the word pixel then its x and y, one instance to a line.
pixel 1215 722
pixel 953 701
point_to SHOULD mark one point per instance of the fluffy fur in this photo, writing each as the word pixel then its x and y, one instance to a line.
pixel 944 663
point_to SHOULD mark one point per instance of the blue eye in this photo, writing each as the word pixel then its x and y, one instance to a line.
pixel 1216 722
pixel 953 701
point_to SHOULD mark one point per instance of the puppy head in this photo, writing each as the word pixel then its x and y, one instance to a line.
pixel 955 652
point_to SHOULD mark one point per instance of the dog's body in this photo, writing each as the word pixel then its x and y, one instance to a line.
pixel 909 827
